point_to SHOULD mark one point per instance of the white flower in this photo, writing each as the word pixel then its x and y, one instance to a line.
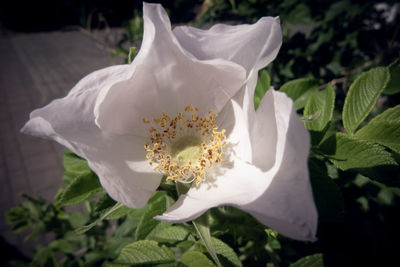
pixel 185 107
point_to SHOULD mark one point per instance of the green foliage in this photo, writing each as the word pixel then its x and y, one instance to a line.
pixel 109 212
pixel 315 260
pixel 196 259
pixel 362 97
pixel 384 129
pixel 156 206
pixel 81 188
pixel 169 234
pixel 322 102
pixel 226 252
pixel 300 90
pixel 74 166
pixel 393 87
pixel 348 152
pixel 263 85
pixel 132 54
pixel 203 229
pixel 145 252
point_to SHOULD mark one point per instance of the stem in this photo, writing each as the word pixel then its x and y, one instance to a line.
pixel 203 229
pixel 201 225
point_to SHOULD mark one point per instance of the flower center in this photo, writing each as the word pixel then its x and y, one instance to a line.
pixel 186 149
pixel 186 146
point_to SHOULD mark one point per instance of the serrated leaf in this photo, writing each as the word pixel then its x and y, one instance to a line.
pixel 145 252
pixel 169 234
pixel 384 129
pixel 82 188
pixel 111 264
pixel 393 86
pixel 155 206
pixel 300 90
pixel 225 251
pixel 362 97
pixel 263 85
pixel 115 245
pixel 349 152
pixel 196 259
pixel 322 101
pixel 315 260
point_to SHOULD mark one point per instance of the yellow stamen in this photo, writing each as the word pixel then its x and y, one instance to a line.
pixel 185 146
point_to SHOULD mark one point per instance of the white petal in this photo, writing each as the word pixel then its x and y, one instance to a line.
pixel 251 46
pixel 263 132
pixel 280 197
pixel 290 191
pixel 70 121
pixel 237 183
pixel 166 79
pixel 234 121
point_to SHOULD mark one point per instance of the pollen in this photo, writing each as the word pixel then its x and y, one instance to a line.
pixel 186 146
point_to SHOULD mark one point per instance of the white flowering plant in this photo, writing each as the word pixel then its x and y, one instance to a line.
pixel 187 156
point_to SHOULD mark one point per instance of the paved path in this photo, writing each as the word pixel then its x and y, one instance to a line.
pixel 34 69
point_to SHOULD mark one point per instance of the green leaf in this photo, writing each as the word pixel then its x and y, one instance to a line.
pixel 196 259
pixel 315 260
pixel 111 264
pixel 106 203
pixel 18 217
pixel 384 129
pixel 61 245
pixel 300 14
pixel 128 227
pixel 348 152
pixel 145 252
pixel 75 164
pixel 393 86
pixel 300 90
pixel 109 212
pixel 323 101
pixel 336 9
pixel 77 219
pixel 155 206
pixel 225 251
pixel 362 97
pixel 132 54
pixel 170 234
pixel 273 241
pixel 114 246
pixel 82 188
pixel 263 85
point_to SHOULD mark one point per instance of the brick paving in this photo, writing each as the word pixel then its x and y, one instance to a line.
pixel 34 69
